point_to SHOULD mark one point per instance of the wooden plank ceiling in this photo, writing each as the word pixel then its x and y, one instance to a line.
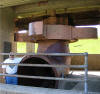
pixel 79 12
pixel 7 3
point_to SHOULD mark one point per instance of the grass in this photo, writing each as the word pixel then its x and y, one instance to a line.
pixel 21 47
pixel 92 46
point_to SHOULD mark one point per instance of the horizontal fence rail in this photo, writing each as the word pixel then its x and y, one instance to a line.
pixel 49 54
pixel 85 66
pixel 45 65
pixel 46 78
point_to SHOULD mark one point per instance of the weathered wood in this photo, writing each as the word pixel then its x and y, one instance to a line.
pixel 22 37
pixel 82 18
pixel 6 3
pixel 82 12
pixel 86 33
pixel 89 21
pixel 86 18
pixel 70 5
pixel 62 32
pixel 58 19
pixel 55 32
pixel 36 28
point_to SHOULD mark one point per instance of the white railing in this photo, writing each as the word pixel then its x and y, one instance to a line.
pixel 85 67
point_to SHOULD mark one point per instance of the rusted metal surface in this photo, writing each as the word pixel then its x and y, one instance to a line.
pixel 49 47
pixel 36 71
pixel 55 47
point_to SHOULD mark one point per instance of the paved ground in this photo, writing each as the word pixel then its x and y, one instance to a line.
pixel 68 86
pixel 93 82
pixel 14 89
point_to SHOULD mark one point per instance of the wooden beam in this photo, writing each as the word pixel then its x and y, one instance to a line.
pixel 86 33
pixel 89 21
pixel 85 15
pixel 8 3
pixel 39 32
pixel 70 5
pixel 85 18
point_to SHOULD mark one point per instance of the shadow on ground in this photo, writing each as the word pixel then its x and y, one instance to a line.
pixel 93 83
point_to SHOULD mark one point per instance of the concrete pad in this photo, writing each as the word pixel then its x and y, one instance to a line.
pixel 15 89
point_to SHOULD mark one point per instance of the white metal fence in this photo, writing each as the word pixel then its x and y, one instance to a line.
pixel 85 67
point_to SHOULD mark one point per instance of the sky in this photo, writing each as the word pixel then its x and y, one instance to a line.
pixel 98 29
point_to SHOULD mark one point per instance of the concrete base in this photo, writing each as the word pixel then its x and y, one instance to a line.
pixel 15 89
